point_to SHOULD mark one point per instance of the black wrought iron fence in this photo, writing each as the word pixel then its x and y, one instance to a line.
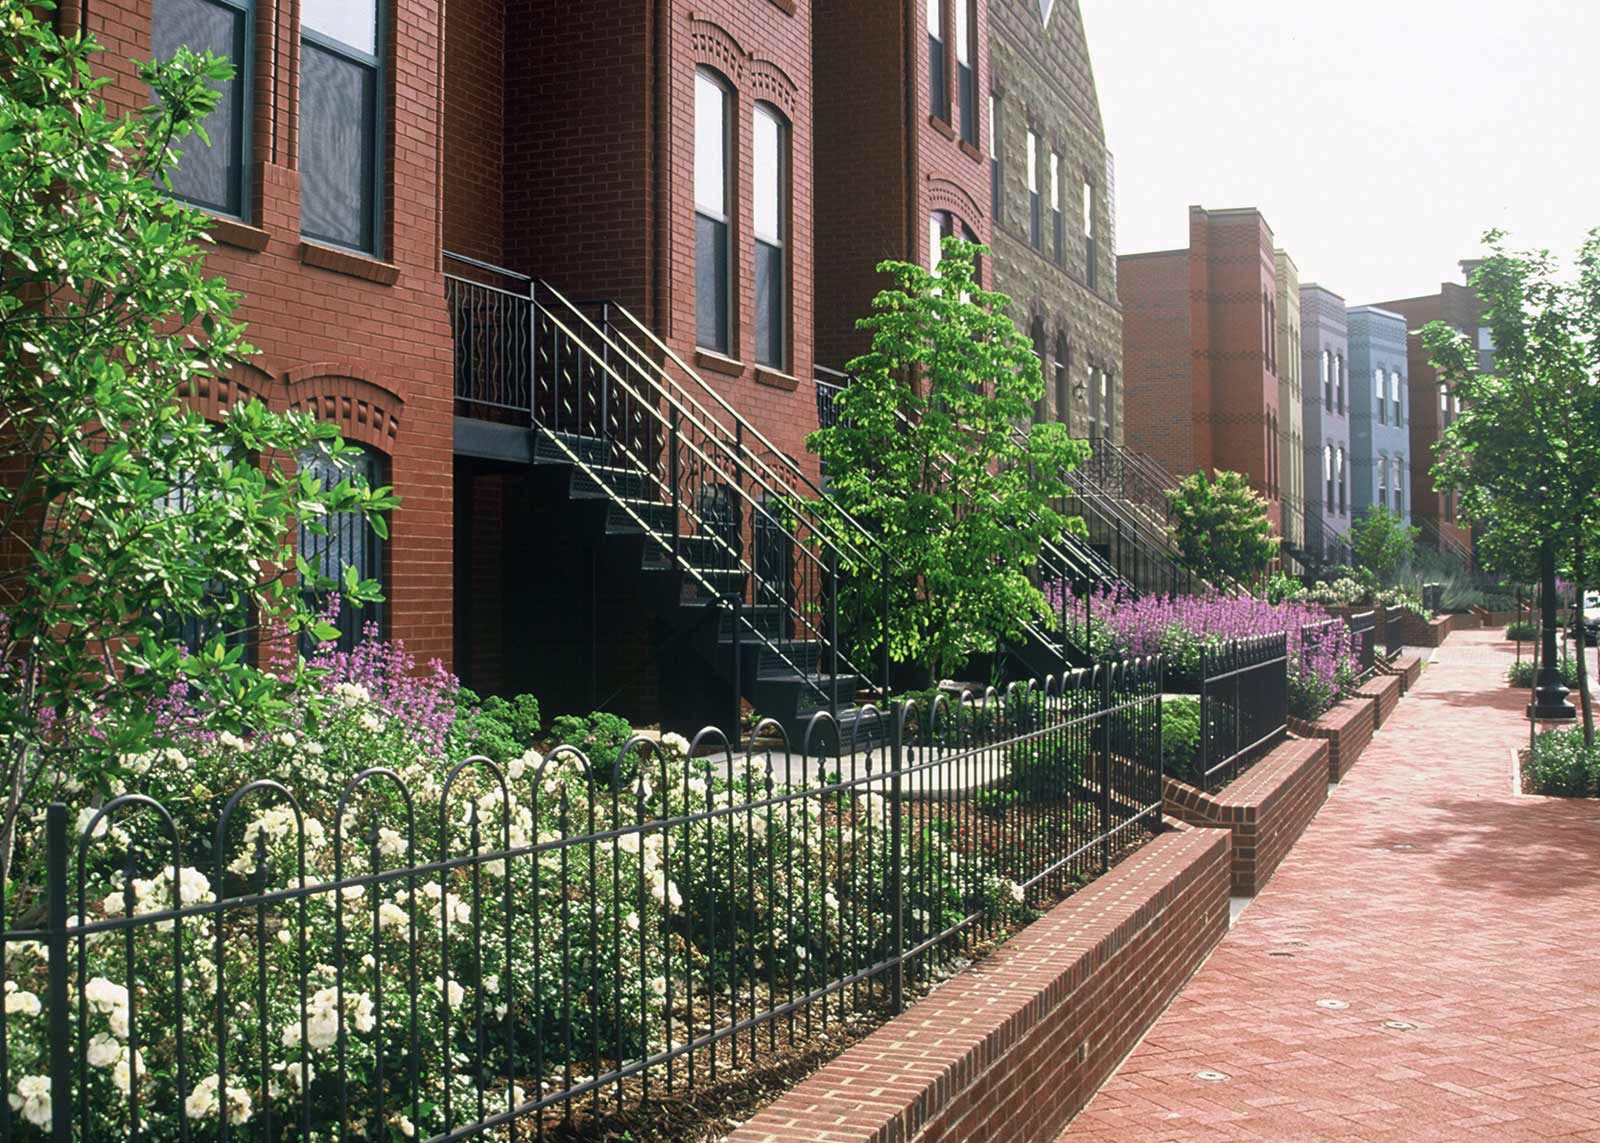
pixel 497 950
pixel 1394 633
pixel 1244 704
pixel 1364 644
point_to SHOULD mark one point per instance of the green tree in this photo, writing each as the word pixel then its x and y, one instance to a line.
pixel 927 455
pixel 1220 526
pixel 1383 542
pixel 127 520
pixel 1522 451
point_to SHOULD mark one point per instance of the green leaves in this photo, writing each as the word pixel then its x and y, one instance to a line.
pixel 928 455
pixel 1220 526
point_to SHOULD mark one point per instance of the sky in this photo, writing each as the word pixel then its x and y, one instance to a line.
pixel 1380 138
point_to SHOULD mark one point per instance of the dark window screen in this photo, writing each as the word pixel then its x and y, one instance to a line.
pixel 209 176
pixel 769 305
pixel 337 123
pixel 711 283
pixel 350 542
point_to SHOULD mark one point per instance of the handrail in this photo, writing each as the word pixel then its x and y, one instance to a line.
pixel 788 462
pixel 727 471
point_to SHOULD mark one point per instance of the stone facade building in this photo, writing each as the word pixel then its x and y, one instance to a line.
pixel 1325 357
pixel 1291 416
pixel 1380 439
pixel 1054 248
pixel 1200 350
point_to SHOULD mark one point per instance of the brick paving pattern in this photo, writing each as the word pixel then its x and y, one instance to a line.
pixel 1427 894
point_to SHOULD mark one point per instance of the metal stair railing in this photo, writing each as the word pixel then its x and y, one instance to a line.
pixel 1324 543
pixel 1434 537
pixel 519 353
pixel 1131 476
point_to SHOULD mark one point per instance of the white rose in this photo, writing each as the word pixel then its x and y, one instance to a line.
pixel 202 1101
pixel 32 1099
pixel 23 1002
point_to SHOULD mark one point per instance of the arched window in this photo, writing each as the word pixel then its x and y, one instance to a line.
pixel 1034 223
pixel 713 172
pixel 1108 403
pixel 1058 226
pixel 1091 252
pixel 770 154
pixel 1041 409
pixel 1063 380
pixel 349 541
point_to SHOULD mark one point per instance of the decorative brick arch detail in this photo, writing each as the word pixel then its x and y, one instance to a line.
pixel 715 45
pixel 213 395
pixel 946 195
pixel 771 83
pixel 366 411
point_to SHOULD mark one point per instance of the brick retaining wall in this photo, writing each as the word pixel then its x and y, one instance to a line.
pixel 1348 728
pixel 1406 668
pixel 1419 632
pixel 1016 1045
pixel 1384 691
pixel 1266 809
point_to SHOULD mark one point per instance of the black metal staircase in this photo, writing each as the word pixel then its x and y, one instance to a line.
pixel 731 549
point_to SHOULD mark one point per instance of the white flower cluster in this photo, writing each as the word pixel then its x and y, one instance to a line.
pixel 31 1100
pixel 152 895
pixel 275 825
pixel 204 1104
pixel 111 1000
pixel 322 1018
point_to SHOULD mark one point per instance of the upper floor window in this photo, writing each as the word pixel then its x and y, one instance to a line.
pixel 1399 484
pixel 1343 482
pixel 1033 190
pixel 344 539
pixel 1091 264
pixel 966 73
pixel 1107 404
pixel 995 151
pixel 1394 396
pixel 1377 386
pixel 1327 473
pixel 1327 380
pixel 938 63
pixel 713 291
pixel 771 199
pixel 1339 378
pixel 1057 222
pixel 212 175
pixel 341 100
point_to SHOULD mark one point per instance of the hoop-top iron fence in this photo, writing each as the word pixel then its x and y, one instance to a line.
pixel 499 950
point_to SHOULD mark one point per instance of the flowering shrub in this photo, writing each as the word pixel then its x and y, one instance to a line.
pixel 431 939
pixel 1321 664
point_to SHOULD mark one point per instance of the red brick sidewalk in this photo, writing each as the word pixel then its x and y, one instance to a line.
pixel 1453 929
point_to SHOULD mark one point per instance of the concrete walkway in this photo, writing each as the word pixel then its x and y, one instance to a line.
pixel 1424 966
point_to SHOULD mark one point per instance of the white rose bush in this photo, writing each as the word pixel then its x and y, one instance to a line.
pixel 342 929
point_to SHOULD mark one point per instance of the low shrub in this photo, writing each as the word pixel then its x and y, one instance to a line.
pixel 1523 630
pixel 497 728
pixel 1522 673
pixel 1180 738
pixel 598 734
pixel 1562 766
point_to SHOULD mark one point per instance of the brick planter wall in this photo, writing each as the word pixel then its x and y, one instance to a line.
pixel 1348 728
pixel 1266 809
pixel 1015 1046
pixel 1406 668
pixel 1384 691
pixel 1421 632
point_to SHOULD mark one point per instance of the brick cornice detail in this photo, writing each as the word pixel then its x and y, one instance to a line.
pixel 943 194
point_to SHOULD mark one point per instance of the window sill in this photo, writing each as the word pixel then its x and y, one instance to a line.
pixel 784 6
pixel 972 152
pixel 774 379
pixel 232 232
pixel 348 263
pixel 942 126
pixel 717 363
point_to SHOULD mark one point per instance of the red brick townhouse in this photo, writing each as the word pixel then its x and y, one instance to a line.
pixel 553 265
pixel 903 103
pixel 1200 351
pixel 323 180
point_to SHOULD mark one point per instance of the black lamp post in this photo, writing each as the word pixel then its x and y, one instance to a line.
pixel 1550 695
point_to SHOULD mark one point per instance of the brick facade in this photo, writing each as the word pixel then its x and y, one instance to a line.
pixel 885 161
pixel 1200 353
pixel 1325 358
pixel 1043 82
pixel 362 341
pixel 1458 305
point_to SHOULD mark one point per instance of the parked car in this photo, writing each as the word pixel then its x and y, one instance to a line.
pixel 1591 618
